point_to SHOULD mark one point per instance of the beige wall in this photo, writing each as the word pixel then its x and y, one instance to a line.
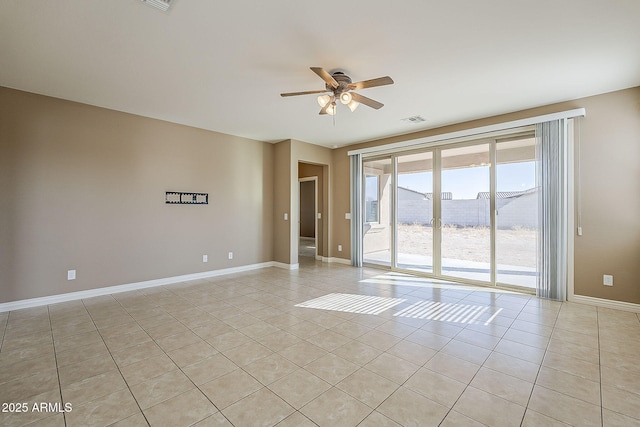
pixel 610 190
pixel 341 204
pixel 282 203
pixel 83 188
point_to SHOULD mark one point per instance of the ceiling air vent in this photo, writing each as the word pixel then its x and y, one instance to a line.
pixel 414 119
pixel 163 5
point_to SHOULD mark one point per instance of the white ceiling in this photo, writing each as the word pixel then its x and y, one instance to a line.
pixel 221 65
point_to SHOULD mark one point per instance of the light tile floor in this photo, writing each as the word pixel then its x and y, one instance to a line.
pixel 327 345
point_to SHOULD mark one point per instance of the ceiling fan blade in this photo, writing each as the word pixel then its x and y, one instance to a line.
pixel 309 92
pixel 325 76
pixel 380 81
pixel 324 109
pixel 366 101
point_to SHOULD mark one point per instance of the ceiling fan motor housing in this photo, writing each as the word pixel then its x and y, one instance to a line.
pixel 343 81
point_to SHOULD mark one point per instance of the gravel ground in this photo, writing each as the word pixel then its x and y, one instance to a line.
pixel 515 247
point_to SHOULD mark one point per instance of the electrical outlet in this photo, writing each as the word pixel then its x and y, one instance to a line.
pixel 205 258
pixel 339 248
pixel 230 255
pixel 71 275
pixel 607 280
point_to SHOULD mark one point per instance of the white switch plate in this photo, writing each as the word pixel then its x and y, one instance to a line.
pixel 205 258
pixel 286 216
pixel 607 280
pixel 339 248
pixel 319 215
pixel 230 255
pixel 71 275
pixel 347 215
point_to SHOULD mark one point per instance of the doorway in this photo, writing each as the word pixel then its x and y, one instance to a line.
pixel 308 224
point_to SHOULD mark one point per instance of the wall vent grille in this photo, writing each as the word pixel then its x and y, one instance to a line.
pixel 414 119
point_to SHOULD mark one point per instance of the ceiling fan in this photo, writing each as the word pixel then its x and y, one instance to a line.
pixel 339 86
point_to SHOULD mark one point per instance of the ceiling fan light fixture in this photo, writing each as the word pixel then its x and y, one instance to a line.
pixel 323 100
pixel 331 109
pixel 353 105
pixel 345 98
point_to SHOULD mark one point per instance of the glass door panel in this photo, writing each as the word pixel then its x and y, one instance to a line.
pixel 465 223
pixel 415 212
pixel 376 245
pixel 517 213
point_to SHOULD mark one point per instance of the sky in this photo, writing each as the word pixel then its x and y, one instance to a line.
pixel 466 183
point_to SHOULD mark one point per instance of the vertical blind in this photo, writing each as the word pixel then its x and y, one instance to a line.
pixel 552 180
pixel 356 210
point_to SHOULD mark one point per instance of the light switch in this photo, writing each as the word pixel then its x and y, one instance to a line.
pixel 347 215
pixel 319 215
pixel 286 216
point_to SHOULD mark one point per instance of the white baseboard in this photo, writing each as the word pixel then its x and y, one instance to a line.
pixel 285 266
pixel 71 296
pixel 336 260
pixel 606 303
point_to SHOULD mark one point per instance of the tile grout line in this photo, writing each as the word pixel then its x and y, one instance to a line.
pixel 4 331
pixel 298 366
pixel 421 366
pixel 114 361
pixel 165 353
pixel 600 365
pixel 181 368
pixel 55 358
pixel 474 375
pixel 555 322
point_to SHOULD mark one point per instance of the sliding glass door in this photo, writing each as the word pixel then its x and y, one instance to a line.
pixel 465 217
pixel 415 212
pixel 465 212
pixel 516 213
pixel 377 224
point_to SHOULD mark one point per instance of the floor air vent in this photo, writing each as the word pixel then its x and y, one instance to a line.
pixel 163 5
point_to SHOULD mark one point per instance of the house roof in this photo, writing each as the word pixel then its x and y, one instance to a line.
pixel 445 195
pixel 505 194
